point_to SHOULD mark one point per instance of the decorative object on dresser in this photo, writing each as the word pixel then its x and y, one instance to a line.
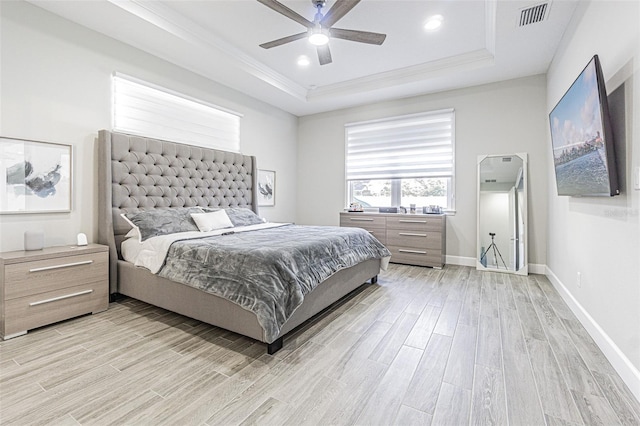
pixel 38 176
pixel 413 239
pixel 51 285
pixel 33 240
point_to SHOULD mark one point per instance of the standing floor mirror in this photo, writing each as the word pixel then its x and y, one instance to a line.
pixel 502 213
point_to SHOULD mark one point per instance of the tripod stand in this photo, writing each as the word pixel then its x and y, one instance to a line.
pixel 495 250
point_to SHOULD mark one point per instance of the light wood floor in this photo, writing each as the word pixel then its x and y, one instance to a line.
pixel 422 346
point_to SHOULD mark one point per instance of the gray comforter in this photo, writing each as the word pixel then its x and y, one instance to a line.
pixel 269 271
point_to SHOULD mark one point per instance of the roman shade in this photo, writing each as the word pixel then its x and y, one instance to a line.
pixel 409 146
pixel 141 108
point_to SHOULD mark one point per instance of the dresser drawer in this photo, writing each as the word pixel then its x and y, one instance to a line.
pixel 414 239
pixel 36 310
pixel 374 224
pixel 29 278
pixel 363 221
pixel 421 257
pixel 422 223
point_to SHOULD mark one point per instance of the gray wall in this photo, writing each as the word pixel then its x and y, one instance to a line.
pixel 600 237
pixel 56 87
pixel 501 118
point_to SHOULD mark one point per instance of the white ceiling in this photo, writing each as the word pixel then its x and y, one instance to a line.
pixel 480 42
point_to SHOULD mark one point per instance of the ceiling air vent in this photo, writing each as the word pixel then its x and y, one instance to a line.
pixel 506 159
pixel 534 14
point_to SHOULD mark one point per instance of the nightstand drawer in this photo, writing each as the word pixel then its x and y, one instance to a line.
pixel 45 308
pixel 414 239
pixel 28 278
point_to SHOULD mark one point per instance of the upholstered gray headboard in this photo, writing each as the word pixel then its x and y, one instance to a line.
pixel 137 173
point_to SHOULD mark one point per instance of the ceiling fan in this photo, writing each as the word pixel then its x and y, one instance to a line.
pixel 321 29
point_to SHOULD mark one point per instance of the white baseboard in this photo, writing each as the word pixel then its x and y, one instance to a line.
pixel 471 261
pixel 627 371
pixel 462 261
pixel 535 268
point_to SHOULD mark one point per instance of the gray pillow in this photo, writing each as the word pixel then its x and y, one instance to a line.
pixel 151 223
pixel 243 217
pixel 239 216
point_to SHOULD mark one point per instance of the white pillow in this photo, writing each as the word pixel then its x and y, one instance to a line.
pixel 212 221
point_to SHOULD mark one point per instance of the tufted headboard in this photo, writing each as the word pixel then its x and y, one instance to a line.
pixel 137 173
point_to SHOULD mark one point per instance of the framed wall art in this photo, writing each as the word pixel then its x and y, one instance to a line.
pixel 35 177
pixel 266 188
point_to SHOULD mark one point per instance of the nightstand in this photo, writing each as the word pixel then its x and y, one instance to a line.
pixel 41 287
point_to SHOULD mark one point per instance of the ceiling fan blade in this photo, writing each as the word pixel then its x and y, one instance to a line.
pixel 324 54
pixel 284 10
pixel 284 40
pixel 359 36
pixel 337 11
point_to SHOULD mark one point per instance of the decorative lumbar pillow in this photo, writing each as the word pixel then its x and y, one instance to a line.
pixel 212 220
pixel 243 217
pixel 152 223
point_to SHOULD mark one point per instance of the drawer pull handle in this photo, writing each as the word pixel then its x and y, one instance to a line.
pixel 360 219
pixel 411 234
pixel 411 221
pixel 66 265
pixel 66 296
pixel 412 251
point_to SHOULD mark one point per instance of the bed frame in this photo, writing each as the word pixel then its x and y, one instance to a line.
pixel 137 173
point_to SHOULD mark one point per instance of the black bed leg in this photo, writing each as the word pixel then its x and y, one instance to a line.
pixel 274 347
pixel 374 279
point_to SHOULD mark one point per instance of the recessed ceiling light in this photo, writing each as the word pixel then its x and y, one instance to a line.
pixel 433 23
pixel 303 61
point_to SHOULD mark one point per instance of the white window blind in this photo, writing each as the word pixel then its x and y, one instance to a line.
pixel 410 146
pixel 144 109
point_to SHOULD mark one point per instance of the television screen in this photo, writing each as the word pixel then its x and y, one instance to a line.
pixel 583 150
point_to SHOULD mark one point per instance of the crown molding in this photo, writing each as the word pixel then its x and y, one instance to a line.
pixel 464 62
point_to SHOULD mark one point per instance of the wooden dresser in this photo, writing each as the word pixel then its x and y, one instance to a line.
pixel 41 287
pixel 413 239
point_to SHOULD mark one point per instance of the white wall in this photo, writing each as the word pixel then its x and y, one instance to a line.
pixel 501 118
pixel 600 237
pixel 55 86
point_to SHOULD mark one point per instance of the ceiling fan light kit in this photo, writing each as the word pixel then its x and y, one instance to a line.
pixel 321 29
pixel 318 38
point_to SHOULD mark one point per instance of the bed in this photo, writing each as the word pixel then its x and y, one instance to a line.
pixel 138 174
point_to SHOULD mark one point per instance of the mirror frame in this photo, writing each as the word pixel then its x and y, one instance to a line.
pixel 525 181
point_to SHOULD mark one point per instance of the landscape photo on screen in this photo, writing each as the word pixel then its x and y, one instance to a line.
pixel 579 149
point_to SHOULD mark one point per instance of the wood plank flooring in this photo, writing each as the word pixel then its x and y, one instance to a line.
pixel 422 346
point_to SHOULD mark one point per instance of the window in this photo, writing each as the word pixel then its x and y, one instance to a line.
pixel 401 161
pixel 144 109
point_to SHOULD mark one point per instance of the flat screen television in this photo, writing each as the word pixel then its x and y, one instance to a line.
pixel 583 149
